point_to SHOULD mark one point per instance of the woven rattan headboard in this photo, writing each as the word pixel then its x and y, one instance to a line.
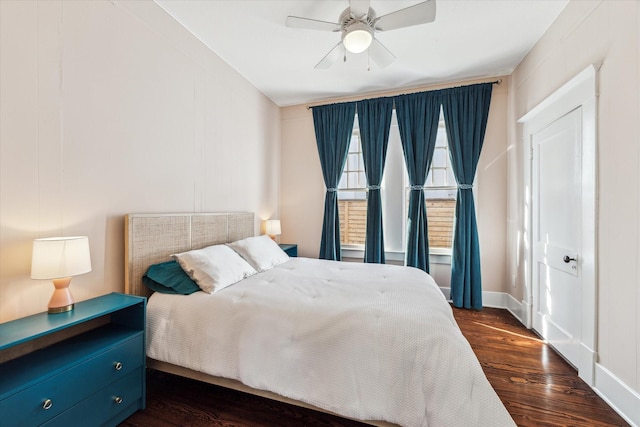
pixel 152 238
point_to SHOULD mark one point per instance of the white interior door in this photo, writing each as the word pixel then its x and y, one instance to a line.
pixel 560 207
pixel 557 229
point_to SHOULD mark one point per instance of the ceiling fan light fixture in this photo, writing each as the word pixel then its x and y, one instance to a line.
pixel 357 37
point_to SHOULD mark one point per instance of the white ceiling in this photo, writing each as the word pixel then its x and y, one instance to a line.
pixel 469 39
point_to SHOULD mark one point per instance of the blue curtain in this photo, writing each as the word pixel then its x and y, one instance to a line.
pixel 466 110
pixel 374 118
pixel 333 125
pixel 418 116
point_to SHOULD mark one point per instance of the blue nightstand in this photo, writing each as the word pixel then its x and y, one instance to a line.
pixel 290 249
pixel 83 367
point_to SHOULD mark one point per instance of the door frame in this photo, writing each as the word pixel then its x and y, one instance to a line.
pixel 579 92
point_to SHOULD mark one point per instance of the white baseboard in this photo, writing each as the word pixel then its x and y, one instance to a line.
pixel 496 300
pixel 516 308
pixel 586 364
pixel 618 395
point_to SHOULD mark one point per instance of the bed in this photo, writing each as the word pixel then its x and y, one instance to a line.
pixel 375 343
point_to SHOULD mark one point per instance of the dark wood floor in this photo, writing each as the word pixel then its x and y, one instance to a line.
pixel 536 385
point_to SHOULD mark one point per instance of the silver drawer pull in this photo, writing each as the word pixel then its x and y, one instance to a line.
pixel 117 399
pixel 118 366
pixel 47 404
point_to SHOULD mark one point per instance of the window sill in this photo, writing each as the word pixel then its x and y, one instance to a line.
pixel 436 255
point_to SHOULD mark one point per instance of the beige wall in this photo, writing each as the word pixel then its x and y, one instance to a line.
pixel 108 108
pixel 302 187
pixel 589 32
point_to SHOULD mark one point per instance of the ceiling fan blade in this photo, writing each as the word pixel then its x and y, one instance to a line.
pixel 359 8
pixel 421 13
pixel 311 24
pixel 380 54
pixel 331 58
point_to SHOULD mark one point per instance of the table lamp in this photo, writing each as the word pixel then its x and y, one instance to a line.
pixel 60 258
pixel 272 228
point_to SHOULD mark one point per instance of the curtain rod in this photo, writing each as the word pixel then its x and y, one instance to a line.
pixel 495 82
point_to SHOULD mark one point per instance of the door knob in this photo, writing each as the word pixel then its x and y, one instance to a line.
pixel 567 259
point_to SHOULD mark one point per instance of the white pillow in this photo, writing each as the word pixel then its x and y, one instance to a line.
pixel 214 268
pixel 260 251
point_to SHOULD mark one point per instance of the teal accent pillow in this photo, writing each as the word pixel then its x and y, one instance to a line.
pixel 169 278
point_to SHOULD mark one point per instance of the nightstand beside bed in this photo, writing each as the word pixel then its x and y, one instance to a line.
pixel 291 249
pixel 83 367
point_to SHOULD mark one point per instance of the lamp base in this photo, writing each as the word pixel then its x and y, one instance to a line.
pixel 56 310
pixel 61 301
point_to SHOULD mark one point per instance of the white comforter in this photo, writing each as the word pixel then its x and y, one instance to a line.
pixel 368 341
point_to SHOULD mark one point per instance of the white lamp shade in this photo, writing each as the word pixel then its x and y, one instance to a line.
pixel 59 257
pixel 357 38
pixel 272 227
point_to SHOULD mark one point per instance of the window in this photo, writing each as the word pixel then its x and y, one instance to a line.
pixel 440 194
pixel 352 194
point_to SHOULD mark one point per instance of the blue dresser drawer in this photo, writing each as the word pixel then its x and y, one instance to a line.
pixel 48 396
pixel 113 403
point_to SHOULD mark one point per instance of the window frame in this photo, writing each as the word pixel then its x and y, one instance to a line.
pixel 345 189
pixel 437 255
pixel 449 176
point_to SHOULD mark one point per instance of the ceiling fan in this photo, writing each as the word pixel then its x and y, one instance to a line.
pixel 358 24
